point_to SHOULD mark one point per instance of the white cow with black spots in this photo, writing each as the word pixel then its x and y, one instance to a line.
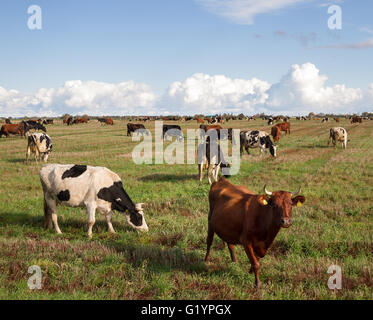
pixel 40 144
pixel 257 139
pixel 338 134
pixel 96 188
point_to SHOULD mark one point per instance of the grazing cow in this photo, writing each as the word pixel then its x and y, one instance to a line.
pixel 276 130
pixel 80 120
pixel 210 158
pixel 338 134
pixel 17 128
pixel 35 125
pixel 326 119
pixel 336 119
pixel 108 121
pixel 133 127
pixel 172 130
pixel 257 139
pixel 90 187
pixel 40 145
pixel 356 119
pixel 238 216
pixel 199 120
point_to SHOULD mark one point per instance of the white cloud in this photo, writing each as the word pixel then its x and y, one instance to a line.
pixel 244 11
pixel 301 90
pixel 366 44
pixel 202 93
pixel 91 97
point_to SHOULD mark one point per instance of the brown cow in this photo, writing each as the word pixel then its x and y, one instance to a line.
pixel 199 120
pixel 283 126
pixel 336 119
pixel 81 120
pixel 356 119
pixel 238 216
pixel 132 127
pixel 18 128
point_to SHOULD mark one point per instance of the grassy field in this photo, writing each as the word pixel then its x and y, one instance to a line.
pixel 333 227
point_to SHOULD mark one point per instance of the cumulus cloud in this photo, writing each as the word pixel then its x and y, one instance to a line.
pixel 301 90
pixel 78 97
pixel 202 93
pixel 244 11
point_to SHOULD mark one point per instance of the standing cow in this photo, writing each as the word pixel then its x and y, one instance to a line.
pixel 40 145
pixel 238 216
pixel 90 187
pixel 257 139
pixel 338 134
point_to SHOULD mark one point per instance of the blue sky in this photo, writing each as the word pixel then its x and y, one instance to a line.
pixel 159 42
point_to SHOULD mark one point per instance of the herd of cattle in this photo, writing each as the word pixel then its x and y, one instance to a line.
pixel 237 215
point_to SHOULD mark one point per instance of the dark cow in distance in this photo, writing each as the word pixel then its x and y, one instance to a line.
pixel 172 130
pixel 356 119
pixel 96 188
pixel 132 127
pixel 107 121
pixel 35 125
pixel 7 121
pixel 238 216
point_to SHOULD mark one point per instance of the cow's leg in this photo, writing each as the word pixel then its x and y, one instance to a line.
pixel 255 265
pixel 91 211
pixel 28 153
pixel 209 173
pixel 210 237
pixel 51 210
pixel 48 210
pixel 109 224
pixel 200 168
pixel 247 149
pixel 232 253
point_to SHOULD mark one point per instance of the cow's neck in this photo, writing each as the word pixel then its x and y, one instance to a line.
pixel 271 226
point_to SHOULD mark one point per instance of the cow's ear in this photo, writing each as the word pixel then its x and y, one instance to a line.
pixel 298 201
pixel 263 200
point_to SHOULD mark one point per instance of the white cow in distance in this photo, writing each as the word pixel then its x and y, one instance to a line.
pixel 40 144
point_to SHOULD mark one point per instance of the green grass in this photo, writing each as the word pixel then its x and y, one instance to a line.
pixel 333 227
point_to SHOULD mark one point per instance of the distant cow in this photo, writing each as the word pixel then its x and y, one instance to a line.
pixel 356 119
pixel 171 130
pixel 336 119
pixel 107 121
pixel 80 120
pixel 238 216
pixel 210 158
pixel 7 121
pixel 199 120
pixel 257 139
pixel 325 119
pixel 35 125
pixel 338 134
pixel 276 130
pixel 133 127
pixel 18 128
pixel 40 145
pixel 90 187
pixel 270 121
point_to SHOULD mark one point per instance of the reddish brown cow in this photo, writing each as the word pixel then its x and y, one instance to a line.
pixel 109 121
pixel 7 129
pixel 238 216
pixel 284 126
pixel 356 119
pixel 199 120
pixel 81 120
pixel 336 119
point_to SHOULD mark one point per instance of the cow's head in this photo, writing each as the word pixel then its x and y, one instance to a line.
pixel 135 218
pixel 282 203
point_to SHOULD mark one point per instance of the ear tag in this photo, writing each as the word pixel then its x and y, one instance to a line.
pixel 299 204
pixel 265 202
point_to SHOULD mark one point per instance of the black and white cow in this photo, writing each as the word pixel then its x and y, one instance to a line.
pixel 40 144
pixel 90 187
pixel 338 134
pixel 257 139
pixel 270 121
pixel 172 130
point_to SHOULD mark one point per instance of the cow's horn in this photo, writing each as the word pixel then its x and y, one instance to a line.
pixel 295 193
pixel 266 191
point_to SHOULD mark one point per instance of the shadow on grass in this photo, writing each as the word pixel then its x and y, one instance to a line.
pixel 23 160
pixel 169 177
pixel 156 257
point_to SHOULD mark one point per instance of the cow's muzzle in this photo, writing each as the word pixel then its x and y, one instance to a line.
pixel 286 222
